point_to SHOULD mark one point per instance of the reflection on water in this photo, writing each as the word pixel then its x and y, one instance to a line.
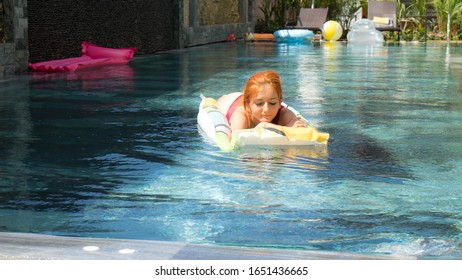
pixel 454 62
pixel 117 77
pixel 115 152
pixel 16 134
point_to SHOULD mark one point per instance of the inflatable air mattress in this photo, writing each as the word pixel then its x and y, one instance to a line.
pixel 92 56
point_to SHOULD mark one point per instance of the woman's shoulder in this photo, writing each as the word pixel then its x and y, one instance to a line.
pixel 285 112
pixel 286 116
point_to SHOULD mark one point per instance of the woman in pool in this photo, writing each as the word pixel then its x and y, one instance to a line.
pixel 259 105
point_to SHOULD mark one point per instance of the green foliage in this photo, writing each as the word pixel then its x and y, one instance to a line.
pixel 267 9
pixel 345 15
pixel 401 10
pixel 276 13
pixel 412 17
pixel 448 11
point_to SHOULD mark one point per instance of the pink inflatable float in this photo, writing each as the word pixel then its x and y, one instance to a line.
pixel 92 56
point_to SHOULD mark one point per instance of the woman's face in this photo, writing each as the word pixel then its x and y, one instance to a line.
pixel 265 106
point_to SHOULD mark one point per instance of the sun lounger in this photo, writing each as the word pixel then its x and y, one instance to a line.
pixel 383 14
pixel 312 19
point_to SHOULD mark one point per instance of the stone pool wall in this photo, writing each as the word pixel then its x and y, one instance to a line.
pixel 13 37
pixel 207 21
pixel 2 24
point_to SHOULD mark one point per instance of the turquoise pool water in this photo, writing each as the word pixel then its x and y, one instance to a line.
pixel 115 152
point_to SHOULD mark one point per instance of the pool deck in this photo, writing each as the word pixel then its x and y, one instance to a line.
pixel 26 246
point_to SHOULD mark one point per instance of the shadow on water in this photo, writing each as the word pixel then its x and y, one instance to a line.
pixel 359 157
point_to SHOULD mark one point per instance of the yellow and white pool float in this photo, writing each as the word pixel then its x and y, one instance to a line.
pixel 214 126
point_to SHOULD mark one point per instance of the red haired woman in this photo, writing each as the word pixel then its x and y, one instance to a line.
pixel 259 105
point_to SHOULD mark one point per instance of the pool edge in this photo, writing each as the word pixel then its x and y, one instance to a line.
pixel 30 246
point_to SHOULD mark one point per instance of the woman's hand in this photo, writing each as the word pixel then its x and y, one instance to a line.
pixel 299 123
pixel 263 125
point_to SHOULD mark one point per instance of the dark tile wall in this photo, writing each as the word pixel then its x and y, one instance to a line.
pixel 57 27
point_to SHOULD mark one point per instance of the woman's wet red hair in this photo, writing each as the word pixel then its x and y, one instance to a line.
pixel 253 86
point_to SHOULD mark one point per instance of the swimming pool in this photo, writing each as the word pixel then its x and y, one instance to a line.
pixel 115 152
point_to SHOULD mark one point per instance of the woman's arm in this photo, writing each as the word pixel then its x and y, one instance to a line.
pixel 238 119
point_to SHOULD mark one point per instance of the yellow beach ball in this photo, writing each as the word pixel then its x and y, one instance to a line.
pixel 332 31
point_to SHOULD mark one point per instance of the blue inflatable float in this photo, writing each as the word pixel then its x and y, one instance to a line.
pixel 293 35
